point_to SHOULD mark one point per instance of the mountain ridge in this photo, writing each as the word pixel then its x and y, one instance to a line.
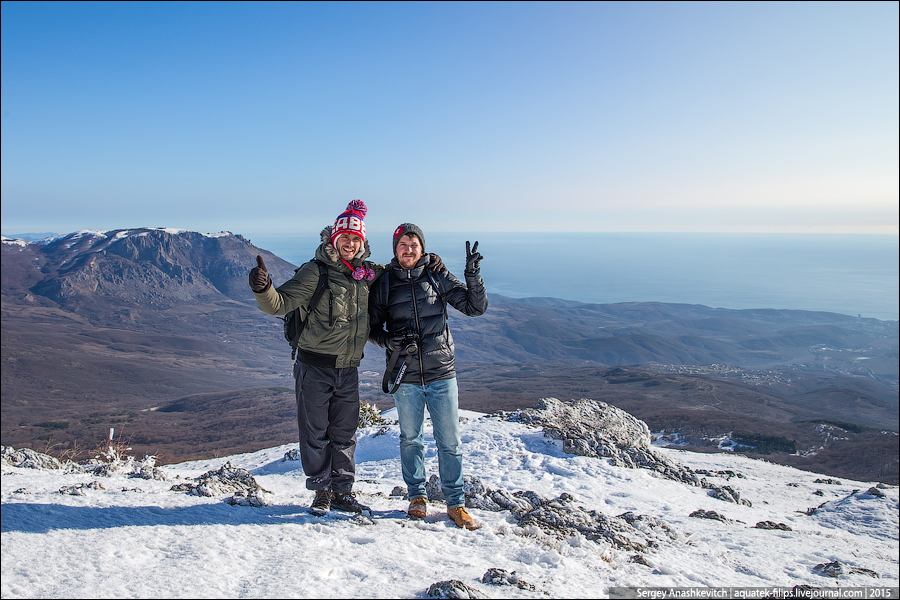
pixel 101 329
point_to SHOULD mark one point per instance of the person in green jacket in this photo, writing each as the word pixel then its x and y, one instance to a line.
pixel 329 353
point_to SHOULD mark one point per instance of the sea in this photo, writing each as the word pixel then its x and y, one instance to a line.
pixel 849 274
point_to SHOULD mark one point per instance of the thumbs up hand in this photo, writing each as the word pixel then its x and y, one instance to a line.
pixel 259 276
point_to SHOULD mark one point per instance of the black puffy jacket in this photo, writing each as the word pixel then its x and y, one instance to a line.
pixel 413 304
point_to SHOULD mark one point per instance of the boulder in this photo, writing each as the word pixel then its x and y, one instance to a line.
pixel 591 428
pixel 453 588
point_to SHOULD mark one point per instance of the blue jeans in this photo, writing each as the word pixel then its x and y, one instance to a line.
pixel 442 399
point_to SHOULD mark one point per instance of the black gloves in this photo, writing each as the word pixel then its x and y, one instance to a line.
pixel 259 276
pixel 473 259
pixel 396 342
pixel 435 264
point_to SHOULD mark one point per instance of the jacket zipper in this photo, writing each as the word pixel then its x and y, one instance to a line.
pixel 412 289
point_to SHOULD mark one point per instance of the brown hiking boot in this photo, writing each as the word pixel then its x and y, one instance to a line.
pixel 418 508
pixel 462 518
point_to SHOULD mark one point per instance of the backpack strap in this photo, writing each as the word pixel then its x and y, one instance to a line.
pixel 317 295
pixel 386 285
pixel 439 286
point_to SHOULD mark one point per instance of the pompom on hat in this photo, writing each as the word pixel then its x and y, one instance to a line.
pixel 350 221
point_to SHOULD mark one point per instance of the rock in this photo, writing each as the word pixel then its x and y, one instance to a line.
pixel 813 509
pixel 591 428
pixel 503 577
pixel 293 454
pixel 227 480
pixel 433 489
pixel 772 525
pixel 726 493
pixel 727 474
pixel 27 458
pixel 453 588
pixel 836 569
pixel 640 559
pixel 832 569
pixel 154 473
pixel 255 499
pixel 709 514
pixel 649 525
pixel 79 488
pixel 562 518
pixel 399 491
pixel 874 491
pixel 828 481
pixel 472 487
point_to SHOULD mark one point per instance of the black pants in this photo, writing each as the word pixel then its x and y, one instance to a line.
pixel 327 414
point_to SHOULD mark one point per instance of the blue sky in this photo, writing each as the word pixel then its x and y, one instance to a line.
pixel 264 118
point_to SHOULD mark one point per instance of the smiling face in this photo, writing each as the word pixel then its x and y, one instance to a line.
pixel 348 245
pixel 409 251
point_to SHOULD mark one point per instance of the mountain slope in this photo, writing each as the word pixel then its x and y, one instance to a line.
pixel 102 329
pixel 145 540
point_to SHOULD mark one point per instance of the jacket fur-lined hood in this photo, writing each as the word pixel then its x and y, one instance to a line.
pixel 332 254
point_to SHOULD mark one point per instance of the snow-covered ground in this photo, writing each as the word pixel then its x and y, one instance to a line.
pixel 136 538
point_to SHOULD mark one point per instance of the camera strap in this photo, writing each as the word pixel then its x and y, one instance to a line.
pixel 387 386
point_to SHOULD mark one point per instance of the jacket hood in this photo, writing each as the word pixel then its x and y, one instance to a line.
pixel 330 253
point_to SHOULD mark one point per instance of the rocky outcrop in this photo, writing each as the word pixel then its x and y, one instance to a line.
pixel 592 428
pixel 562 517
pixel 453 588
pixel 78 489
pixel 725 493
pixel 228 479
pixel 709 514
pixel 27 458
pixel 503 577
pixel 836 569
pixel 772 525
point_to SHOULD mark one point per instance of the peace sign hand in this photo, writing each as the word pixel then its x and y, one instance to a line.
pixel 473 258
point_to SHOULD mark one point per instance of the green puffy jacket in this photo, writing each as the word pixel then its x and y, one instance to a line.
pixel 338 327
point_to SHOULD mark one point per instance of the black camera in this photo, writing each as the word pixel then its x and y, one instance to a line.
pixel 410 342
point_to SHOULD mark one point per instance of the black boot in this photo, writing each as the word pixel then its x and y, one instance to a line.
pixel 346 502
pixel 321 503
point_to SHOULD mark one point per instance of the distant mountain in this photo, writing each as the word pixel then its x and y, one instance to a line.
pixel 684 334
pixel 95 271
pixel 155 332
pixel 32 237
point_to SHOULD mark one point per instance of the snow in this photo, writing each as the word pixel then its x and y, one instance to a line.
pixel 137 538
pixel 120 234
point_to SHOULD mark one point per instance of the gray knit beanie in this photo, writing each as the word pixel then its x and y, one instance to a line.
pixel 408 229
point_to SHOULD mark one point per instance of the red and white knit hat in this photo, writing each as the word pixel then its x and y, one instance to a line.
pixel 350 221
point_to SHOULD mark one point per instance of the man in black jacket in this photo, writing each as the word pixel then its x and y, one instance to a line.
pixel 410 305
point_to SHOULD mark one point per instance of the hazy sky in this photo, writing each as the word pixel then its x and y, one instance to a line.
pixel 269 117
